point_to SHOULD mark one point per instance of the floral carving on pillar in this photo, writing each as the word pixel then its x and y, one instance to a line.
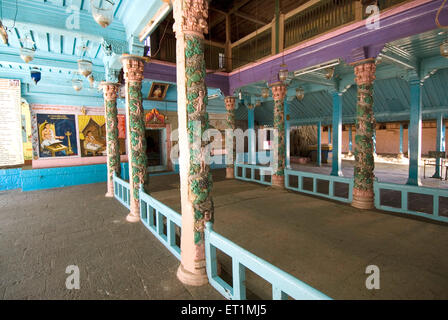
pixel 113 149
pixel 133 72
pixel 363 195
pixel 279 94
pixel 230 123
pixel 196 180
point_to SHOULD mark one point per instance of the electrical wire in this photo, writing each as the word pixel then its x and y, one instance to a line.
pixel 161 39
pixel 438 14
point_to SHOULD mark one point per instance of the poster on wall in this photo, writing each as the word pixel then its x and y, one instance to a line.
pixel 57 135
pixel 92 136
pixel 11 145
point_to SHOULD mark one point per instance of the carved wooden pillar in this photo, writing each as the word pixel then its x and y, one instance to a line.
pixel 363 195
pixel 133 73
pixel 196 181
pixel 113 148
pixel 230 107
pixel 278 94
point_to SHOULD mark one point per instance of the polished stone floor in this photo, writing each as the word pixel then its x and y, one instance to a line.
pixel 324 243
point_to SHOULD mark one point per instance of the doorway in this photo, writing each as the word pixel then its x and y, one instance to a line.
pixel 156 149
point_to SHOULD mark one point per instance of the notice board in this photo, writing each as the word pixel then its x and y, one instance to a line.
pixel 11 144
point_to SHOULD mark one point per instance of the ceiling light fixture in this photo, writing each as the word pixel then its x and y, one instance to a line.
pixel 300 93
pixel 102 11
pixel 27 50
pixel 85 66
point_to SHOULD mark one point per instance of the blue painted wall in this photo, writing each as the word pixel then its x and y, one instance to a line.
pixel 40 179
pixel 10 179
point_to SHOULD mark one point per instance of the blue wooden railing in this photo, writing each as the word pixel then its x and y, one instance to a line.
pixel 153 213
pixel 122 191
pixel 283 284
pixel 262 170
pixel 315 178
pixel 405 190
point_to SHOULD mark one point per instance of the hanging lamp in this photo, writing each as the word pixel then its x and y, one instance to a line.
pixel 27 50
pixel 300 93
pixel 102 11
pixel 265 93
pixel 77 82
pixel 35 74
pixel 85 65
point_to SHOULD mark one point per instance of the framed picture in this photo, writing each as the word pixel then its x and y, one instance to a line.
pixel 57 135
pixel 158 91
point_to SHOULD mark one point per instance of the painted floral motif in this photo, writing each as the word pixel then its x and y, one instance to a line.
pixel 200 179
pixel 133 69
pixel 113 149
pixel 230 124
pixel 365 126
pixel 279 93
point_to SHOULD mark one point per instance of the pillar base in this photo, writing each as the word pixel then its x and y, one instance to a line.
pixel 230 173
pixel 278 181
pixel 363 199
pixel 109 195
pixel 132 218
pixel 192 279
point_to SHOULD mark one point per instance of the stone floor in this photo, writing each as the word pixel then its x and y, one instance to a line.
pixel 43 232
pixel 324 243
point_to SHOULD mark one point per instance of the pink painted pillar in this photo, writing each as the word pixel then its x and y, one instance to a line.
pixel 230 107
pixel 195 179
pixel 138 175
pixel 113 149
pixel 279 94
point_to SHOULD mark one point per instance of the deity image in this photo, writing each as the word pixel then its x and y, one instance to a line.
pixel 57 135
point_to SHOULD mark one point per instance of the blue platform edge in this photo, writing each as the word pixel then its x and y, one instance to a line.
pixel 41 179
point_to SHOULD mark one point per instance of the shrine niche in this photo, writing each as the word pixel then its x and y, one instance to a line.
pixel 154 117
pixel 57 135
pixel 158 91
pixel 158 139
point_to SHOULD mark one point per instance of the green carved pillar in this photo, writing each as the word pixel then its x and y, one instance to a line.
pixel 196 180
pixel 113 149
pixel 363 194
pixel 278 94
pixel 133 73
pixel 230 121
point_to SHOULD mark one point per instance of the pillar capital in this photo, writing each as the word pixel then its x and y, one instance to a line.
pixel 110 90
pixel 278 91
pixel 230 103
pixel 365 72
pixel 133 67
pixel 194 17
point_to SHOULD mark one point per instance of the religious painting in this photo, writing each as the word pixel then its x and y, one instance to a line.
pixel 57 135
pixel 154 117
pixel 158 91
pixel 92 135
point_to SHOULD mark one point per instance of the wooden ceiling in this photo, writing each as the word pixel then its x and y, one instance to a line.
pixel 246 16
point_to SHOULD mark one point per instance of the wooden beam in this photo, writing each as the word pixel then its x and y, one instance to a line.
pixel 235 7
pixel 250 18
pixel 301 8
pixel 253 34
